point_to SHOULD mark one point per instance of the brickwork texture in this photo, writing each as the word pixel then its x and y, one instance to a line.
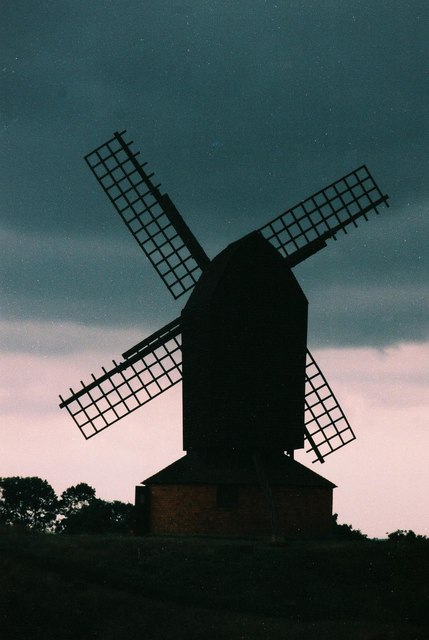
pixel 303 512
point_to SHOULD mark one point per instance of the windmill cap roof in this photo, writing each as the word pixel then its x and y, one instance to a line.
pixel 251 253
pixel 238 468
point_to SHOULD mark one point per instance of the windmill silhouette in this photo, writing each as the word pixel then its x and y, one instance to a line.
pixel 250 385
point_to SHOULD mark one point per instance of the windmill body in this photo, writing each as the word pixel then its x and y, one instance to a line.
pixel 244 333
pixel 252 391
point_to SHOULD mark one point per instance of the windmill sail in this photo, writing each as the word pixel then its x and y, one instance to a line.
pixel 326 427
pixel 151 216
pixel 149 369
pixel 303 229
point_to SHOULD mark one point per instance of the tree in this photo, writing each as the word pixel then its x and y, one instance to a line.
pixel 71 502
pixel 74 498
pixel 121 516
pixel 30 502
pixel 33 504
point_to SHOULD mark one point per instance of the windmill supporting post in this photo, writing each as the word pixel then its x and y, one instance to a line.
pixel 272 506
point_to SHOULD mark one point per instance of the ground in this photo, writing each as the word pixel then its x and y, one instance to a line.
pixel 85 587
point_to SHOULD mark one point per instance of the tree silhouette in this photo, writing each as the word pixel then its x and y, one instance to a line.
pixel 71 502
pixel 30 502
pixel 76 497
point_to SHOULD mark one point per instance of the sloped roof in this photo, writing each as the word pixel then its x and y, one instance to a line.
pixel 252 253
pixel 238 468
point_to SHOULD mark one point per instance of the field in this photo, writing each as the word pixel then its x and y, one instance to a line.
pixel 85 587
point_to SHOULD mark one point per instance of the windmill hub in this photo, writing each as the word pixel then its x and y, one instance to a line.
pixel 251 388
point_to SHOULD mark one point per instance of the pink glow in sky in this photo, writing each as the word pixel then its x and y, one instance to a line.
pixel 239 121
pixel 382 478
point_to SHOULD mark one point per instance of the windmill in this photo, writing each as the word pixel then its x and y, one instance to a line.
pixel 251 389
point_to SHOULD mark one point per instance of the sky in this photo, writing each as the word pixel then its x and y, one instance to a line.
pixel 242 109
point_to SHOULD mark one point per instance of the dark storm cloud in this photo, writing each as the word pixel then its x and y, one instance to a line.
pixel 242 109
pixel 104 282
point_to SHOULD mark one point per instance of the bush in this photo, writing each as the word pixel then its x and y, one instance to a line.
pixel 405 535
pixel 346 531
pixel 100 517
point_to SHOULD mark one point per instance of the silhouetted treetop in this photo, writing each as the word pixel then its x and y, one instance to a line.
pixel 30 502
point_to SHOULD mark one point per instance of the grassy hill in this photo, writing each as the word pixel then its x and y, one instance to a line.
pixel 85 587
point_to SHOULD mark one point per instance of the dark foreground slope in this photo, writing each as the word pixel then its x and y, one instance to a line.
pixel 86 587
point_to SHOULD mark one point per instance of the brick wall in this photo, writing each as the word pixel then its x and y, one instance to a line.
pixel 192 509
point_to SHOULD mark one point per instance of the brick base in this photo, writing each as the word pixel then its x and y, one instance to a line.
pixel 304 512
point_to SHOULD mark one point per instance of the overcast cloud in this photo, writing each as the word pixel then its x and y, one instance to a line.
pixel 242 109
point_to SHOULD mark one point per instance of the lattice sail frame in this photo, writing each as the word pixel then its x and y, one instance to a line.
pixel 326 427
pixel 151 216
pixel 149 369
pixel 303 229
